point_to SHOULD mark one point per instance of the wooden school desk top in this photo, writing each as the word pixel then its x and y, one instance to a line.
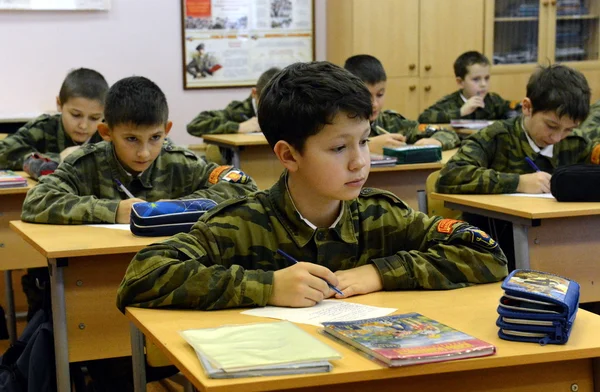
pixel 525 207
pixel 237 139
pixel 471 310
pixel 54 241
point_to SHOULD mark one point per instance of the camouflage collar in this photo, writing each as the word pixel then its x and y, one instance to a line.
pixel 298 230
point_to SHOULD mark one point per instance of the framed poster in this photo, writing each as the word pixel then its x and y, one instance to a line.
pixel 230 43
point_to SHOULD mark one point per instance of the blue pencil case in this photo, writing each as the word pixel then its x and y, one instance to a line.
pixel 537 307
pixel 169 217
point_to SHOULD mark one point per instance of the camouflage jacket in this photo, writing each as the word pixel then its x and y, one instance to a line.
pixel 393 122
pixel 491 160
pixel 44 135
pixel 228 258
pixel 83 190
pixel 222 121
pixel 448 108
pixel 591 126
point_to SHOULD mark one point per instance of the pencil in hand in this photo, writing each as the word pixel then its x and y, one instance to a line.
pixel 294 261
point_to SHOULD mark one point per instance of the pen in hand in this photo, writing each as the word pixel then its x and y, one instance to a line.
pixel 293 260
pixel 123 189
pixel 532 164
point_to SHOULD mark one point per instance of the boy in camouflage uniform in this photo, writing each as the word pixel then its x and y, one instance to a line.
pixel 236 117
pixel 389 128
pixel 81 103
pixel 591 126
pixel 83 189
pixel 493 159
pixel 316 118
pixel 472 101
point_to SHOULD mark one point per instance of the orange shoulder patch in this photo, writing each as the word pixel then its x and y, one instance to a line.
pixel 446 225
pixel 213 177
pixel 596 155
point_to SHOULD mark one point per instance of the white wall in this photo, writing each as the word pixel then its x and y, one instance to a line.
pixel 136 37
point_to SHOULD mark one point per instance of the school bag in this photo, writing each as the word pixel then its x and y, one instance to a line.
pixel 28 364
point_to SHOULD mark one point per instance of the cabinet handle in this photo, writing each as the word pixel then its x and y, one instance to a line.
pixel 412 87
pixel 427 88
pixel 545 3
pixel 412 66
pixel 553 3
pixel 427 67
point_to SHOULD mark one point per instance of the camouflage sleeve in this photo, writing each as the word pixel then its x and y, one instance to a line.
pixel 468 170
pixel 184 271
pixel 591 126
pixel 220 183
pixel 440 112
pixel 56 199
pixel 501 107
pixel 17 147
pixel 445 254
pixel 212 122
pixel 449 139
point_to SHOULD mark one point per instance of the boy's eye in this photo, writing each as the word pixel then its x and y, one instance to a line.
pixel 338 148
pixel 76 115
pixel 131 138
pixel 96 118
pixel 155 137
pixel 364 142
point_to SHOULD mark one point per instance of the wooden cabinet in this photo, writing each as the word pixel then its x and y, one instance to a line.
pixel 416 40
pixel 522 33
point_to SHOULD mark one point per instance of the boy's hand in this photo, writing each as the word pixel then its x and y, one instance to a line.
pixel 68 151
pixel 250 125
pixel 428 141
pixel 301 285
pixel 538 182
pixel 124 210
pixel 360 280
pixel 377 143
pixel 471 105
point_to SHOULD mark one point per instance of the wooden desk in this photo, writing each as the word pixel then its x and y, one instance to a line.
pixel 253 155
pixel 519 367
pixel 87 265
pixel 3 135
pixel 15 254
pixel 561 238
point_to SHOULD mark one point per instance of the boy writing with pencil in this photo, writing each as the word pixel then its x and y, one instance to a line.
pixel 473 100
pixel 80 102
pixel 316 117
pixel 389 128
pixel 100 182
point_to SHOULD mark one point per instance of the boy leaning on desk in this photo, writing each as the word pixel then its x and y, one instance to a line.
pixel 84 188
pixel 361 240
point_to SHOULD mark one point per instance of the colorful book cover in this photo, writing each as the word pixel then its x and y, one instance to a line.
pixel 537 282
pixel 407 339
pixel 9 178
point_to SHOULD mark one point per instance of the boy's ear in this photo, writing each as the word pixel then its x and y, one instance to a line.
pixel 287 155
pixel 104 131
pixel 168 126
pixel 460 82
pixel 254 94
pixel 58 104
pixel 526 107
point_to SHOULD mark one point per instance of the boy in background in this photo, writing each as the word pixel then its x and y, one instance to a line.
pixel 389 128
pixel 237 117
pixel 591 126
pixel 316 118
pixel 83 188
pixel 493 159
pixel 80 102
pixel 472 101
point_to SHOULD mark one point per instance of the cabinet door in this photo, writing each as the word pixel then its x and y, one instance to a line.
pixel 510 86
pixel 402 95
pixel 388 30
pixel 513 31
pixel 573 30
pixel 448 28
pixel 433 89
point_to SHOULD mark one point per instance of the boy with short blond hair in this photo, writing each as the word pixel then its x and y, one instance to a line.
pixel 389 128
pixel 473 100
pixel 84 188
pixel 315 116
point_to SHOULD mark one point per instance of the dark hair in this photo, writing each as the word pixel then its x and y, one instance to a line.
pixel 264 79
pixel 366 67
pixel 465 60
pixel 304 97
pixel 560 89
pixel 200 47
pixel 84 83
pixel 137 101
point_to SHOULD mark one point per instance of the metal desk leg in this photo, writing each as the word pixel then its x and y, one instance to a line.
pixel 235 159
pixel 137 358
pixel 59 323
pixel 11 317
pixel 521 246
pixel 422 201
